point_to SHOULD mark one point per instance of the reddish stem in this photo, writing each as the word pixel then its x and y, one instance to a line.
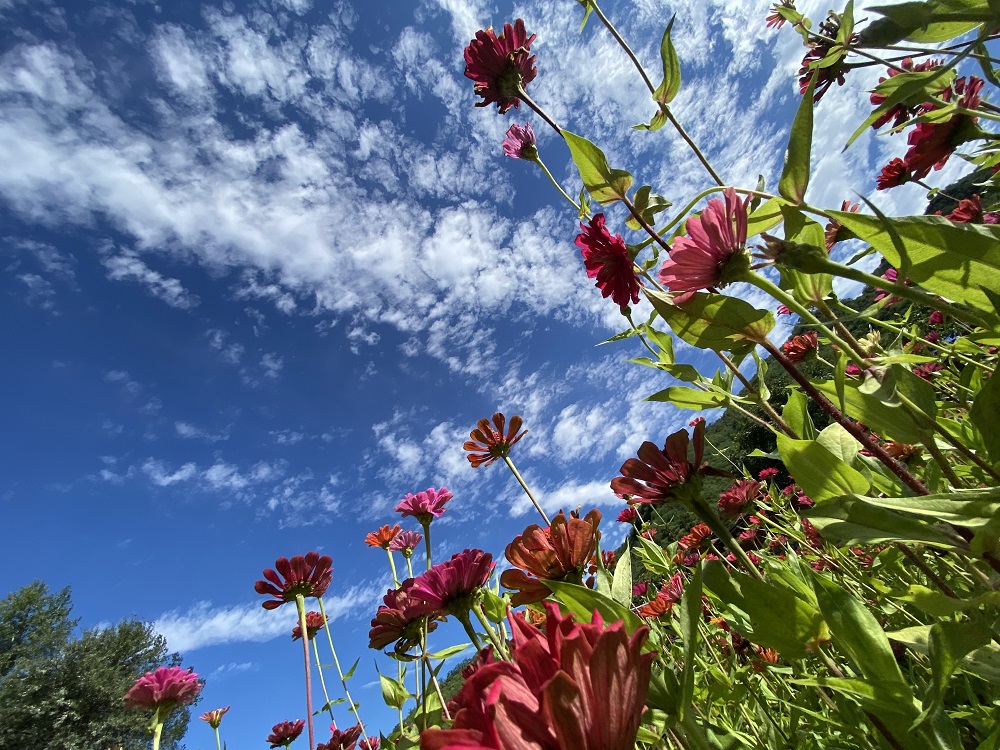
pixel 300 605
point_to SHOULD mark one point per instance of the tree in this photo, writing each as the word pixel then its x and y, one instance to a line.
pixel 61 692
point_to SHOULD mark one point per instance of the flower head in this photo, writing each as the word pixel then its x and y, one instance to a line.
pixel 893 174
pixel 342 740
pixel 705 257
pixel 500 66
pixel 819 49
pixel 448 587
pixel 834 231
pixel 765 474
pixel 520 142
pixel 425 506
pixel 668 595
pixel 904 110
pixel 556 553
pixel 370 743
pixel 163 689
pixel 383 537
pixel 640 589
pixel 490 441
pixel 575 686
pixel 214 717
pixel 606 259
pixel 306 576
pixel 628 515
pixel 405 542
pixel 783 310
pixel 970 211
pixel 285 732
pixel 398 620
pixel 932 143
pixel 739 497
pixel 797 348
pixel 777 19
pixel 696 537
pixel 314 623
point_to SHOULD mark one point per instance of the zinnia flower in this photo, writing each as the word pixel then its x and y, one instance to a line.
pixel 383 537
pixel 308 576
pixel 693 540
pixel 903 111
pixel 285 732
pixel 936 318
pixel 738 497
pixel 640 589
pixel 775 20
pixel 405 542
pixel 628 515
pixel 214 717
pixel 834 232
pixel 370 743
pixel 670 593
pixel 425 506
pixel 704 257
pixel 799 347
pixel 819 49
pixel 893 174
pixel 574 687
pixel 163 689
pixel 342 740
pixel 520 142
pixel 783 310
pixel 932 143
pixel 500 66
pixel 490 442
pixel 765 474
pixel 448 587
pixel 398 620
pixel 606 259
pixel 853 370
pixel 314 623
pixel 559 552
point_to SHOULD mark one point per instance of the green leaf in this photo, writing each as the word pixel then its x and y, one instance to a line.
pixel 494 606
pixel 350 672
pixel 690 617
pixel 658 121
pixel 587 10
pixel 647 205
pixel 879 409
pixel 447 653
pixel 393 692
pixel 984 412
pixel 983 662
pixel 621 585
pixel 714 321
pixel 766 216
pixel 690 398
pixel 935 603
pixel 819 473
pixel 948 644
pixel 796 414
pixel 795 175
pixel 606 185
pixel 671 82
pixel 852 520
pixel 930 22
pixel 653 558
pixel 582 602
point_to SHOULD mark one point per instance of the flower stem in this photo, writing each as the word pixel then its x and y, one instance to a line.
pixel 427 542
pixel 392 564
pixel 300 605
pixel 322 680
pixel 477 609
pixel 409 567
pixel 762 403
pixel 523 96
pixel 520 480
pixel 336 662
pixel 218 741
pixel 470 631
pixel 644 224
pixel 558 187
pixel 157 731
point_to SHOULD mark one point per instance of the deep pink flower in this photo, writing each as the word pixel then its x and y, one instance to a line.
pixel 767 473
pixel 284 733
pixel 520 142
pixel 932 336
pixel 819 48
pixel 775 20
pixel 783 310
pixel 738 497
pixel 797 348
pixel 936 318
pixel 214 717
pixel 492 441
pixel 425 506
pixel 574 687
pixel 164 687
pixel 853 370
pixel 893 174
pixel 314 623
pixel 901 112
pixel 398 620
pixel 342 740
pixel 669 594
pixel 932 143
pixel 308 576
pixel 448 587
pixel 370 743
pixel 499 65
pixel 606 259
pixel 701 259
pixel 640 589
pixel 928 371
pixel 628 515
pixel 406 541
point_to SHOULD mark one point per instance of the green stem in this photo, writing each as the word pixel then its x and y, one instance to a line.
pixel 437 687
pixel 498 649
pixel 336 663
pixel 470 631
pixel 218 741
pixel 157 731
pixel 520 480
pixel 392 564
pixel 409 567
pixel 427 542
pixel 300 605
pixel 322 680
pixel 558 187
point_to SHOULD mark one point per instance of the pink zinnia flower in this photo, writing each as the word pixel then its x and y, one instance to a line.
pixel 853 370
pixel 308 576
pixel 970 211
pixel 819 49
pixel 767 473
pixel 628 515
pixel 425 506
pixel 799 347
pixel 775 20
pixel 406 541
pixel 314 623
pixel 164 688
pixel 214 717
pixel 901 112
pixel 448 587
pixel 783 310
pixel 285 732
pixel 606 259
pixel 342 740
pixel 398 620
pixel 640 589
pixel 492 441
pixel 700 260
pixel 738 497
pixel 893 174
pixel 520 142
pixel 370 743
pixel 574 687
pixel 671 593
pixel 936 318
pixel 500 65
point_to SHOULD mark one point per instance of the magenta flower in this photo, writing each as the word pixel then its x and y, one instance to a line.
pixel 164 688
pixel 783 310
pixel 308 576
pixel 628 515
pixel 936 318
pixel 739 497
pixel 520 142
pixel 285 732
pixel 606 259
pixel 767 473
pixel 425 506
pixel 703 258
pixel 370 743
pixel 500 66
pixel 448 587
pixel 574 687
pixel 406 542
pixel 398 620
pixel 932 143
pixel 342 740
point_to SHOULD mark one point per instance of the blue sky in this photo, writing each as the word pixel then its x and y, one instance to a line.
pixel 264 266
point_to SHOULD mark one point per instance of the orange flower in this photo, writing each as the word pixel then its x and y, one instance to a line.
pixel 214 717
pixel 383 537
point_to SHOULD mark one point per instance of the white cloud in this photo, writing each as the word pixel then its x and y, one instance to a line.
pixel 162 477
pixel 128 267
pixel 190 431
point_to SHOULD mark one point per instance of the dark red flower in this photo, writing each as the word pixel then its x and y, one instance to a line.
pixel 490 442
pixel 559 552
pixel 928 371
pixel 649 534
pixel 765 474
pixel 739 497
pixel 693 540
pixel 369 743
pixel 308 576
pixel 314 623
pixel 520 142
pixel 968 211
pixel 163 688
pixel 819 49
pixel 893 174
pixel 903 111
pixel 398 620
pixel 932 143
pixel 799 347
pixel 448 587
pixel 628 515
pixel 640 589
pixel 342 740
pixel 936 318
pixel 425 506
pixel 285 732
pixel 500 65
pixel 606 259
pixel 575 686
pixel 383 537
pixel 835 230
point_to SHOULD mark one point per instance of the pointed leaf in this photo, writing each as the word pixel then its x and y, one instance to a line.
pixel 795 175
pixel 671 82
pixel 606 185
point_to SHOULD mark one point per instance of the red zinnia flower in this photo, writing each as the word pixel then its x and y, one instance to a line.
pixel 767 473
pixel 649 534
pixel 701 259
pixel 901 112
pixel 500 65
pixel 520 142
pixel 853 370
pixel 834 230
pixel 406 542
pixel 694 538
pixel 448 587
pixel 574 687
pixel 342 740
pixel 285 732
pixel 314 623
pixel 383 537
pixel 628 515
pixel 970 211
pixel 490 442
pixel 928 371
pixel 735 500
pixel 398 620
pixel 308 576
pixel 936 318
pixel 165 687
pixel 557 553
pixel 670 593
pixel 819 49
pixel 932 143
pixel 214 717
pixel 893 174
pixel 370 743
pixel 799 347
pixel 425 506
pixel 606 259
